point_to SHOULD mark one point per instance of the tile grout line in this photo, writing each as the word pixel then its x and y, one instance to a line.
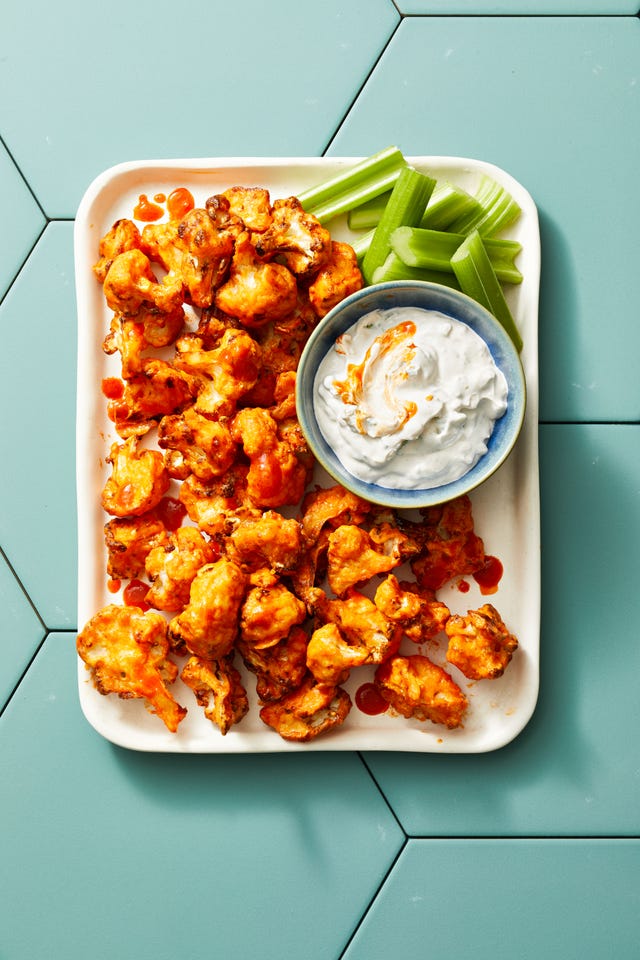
pixel 23 177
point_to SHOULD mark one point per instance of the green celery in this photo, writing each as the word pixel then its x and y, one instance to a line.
pixel 354 185
pixel 433 249
pixel 367 215
pixel 477 278
pixel 405 207
pixel 361 244
pixel 447 204
pixel 498 210
pixel 394 269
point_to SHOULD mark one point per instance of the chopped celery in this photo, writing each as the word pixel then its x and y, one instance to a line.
pixel 367 215
pixel 447 204
pixel 394 269
pixel 498 209
pixel 354 185
pixel 433 249
pixel 477 278
pixel 361 244
pixel 405 207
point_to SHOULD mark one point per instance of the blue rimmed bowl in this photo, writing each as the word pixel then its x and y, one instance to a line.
pixel 426 296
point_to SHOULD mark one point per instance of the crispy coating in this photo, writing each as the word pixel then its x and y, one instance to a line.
pixel 256 291
pixel 330 657
pixel 218 688
pixel 336 279
pixel 138 480
pixel 281 343
pixel 130 337
pixel 251 205
pixel 361 624
pixel 195 444
pixel 297 237
pixel 266 540
pixel 123 235
pixel 278 669
pixel 480 645
pixel 422 617
pixel 126 652
pixel 416 687
pixel 225 373
pixel 451 547
pixel 172 566
pixel 131 288
pixel 331 505
pixel 156 389
pixel 213 504
pixel 208 625
pixel 268 615
pixel 194 251
pixel 128 541
pixel 352 558
pixel 277 475
pixel 306 713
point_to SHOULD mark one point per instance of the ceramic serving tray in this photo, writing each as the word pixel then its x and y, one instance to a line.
pixel 506 509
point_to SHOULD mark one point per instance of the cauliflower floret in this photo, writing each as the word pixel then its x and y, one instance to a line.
pixel 196 445
pixel 172 566
pixel 123 235
pixel 268 614
pixel 451 547
pixel 218 688
pixel 352 558
pixel 225 373
pixel 132 290
pixel 138 480
pixel 256 291
pixel 277 474
pixel 128 541
pixel 267 540
pixel 252 205
pixel 330 657
pixel 279 669
pixel 297 237
pixel 416 687
pixel 308 712
pixel 480 645
pixel 126 652
pixel 336 279
pixel 422 617
pixel 156 389
pixel 208 625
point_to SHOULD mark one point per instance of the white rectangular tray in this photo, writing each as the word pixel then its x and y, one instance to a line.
pixel 506 509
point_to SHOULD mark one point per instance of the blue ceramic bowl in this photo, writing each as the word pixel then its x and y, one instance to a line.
pixel 428 296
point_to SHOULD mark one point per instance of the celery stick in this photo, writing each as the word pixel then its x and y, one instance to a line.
pixel 353 186
pixel 394 269
pixel 477 278
pixel 406 205
pixel 361 244
pixel 368 214
pixel 433 249
pixel 448 203
pixel 498 210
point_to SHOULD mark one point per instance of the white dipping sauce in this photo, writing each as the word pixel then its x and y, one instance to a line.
pixel 408 398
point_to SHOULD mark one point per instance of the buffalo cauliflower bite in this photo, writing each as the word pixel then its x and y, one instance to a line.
pixel 208 625
pixel 451 547
pixel 225 373
pixel 418 688
pixel 361 624
pixel 330 658
pixel 278 669
pixel 138 480
pixel 193 251
pixel 256 290
pixel 172 566
pixel 126 652
pixel 213 504
pixel 268 614
pixel 277 476
pixel 195 444
pixel 132 290
pixel 265 540
pixel 251 205
pixel 123 235
pixel 155 390
pixel 352 558
pixel 422 617
pixel 218 689
pixel 332 506
pixel 306 713
pixel 336 279
pixel 128 541
pixel 480 645
pixel 297 237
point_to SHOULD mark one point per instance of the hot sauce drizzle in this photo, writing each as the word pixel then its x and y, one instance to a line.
pixel 179 203
pixel 489 575
pixel 134 594
pixel 112 388
pixel 146 210
pixel 171 512
pixel 369 700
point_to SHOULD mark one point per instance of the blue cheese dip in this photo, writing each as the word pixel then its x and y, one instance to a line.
pixel 407 398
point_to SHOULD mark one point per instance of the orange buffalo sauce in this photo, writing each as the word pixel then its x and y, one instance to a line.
pixel 489 575
pixel 146 210
pixel 179 203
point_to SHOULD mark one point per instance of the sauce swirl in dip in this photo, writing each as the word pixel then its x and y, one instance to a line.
pixel 408 398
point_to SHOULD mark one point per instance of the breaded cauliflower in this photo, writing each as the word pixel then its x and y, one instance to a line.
pixel 208 625
pixel 123 235
pixel 218 688
pixel 194 444
pixel 422 617
pixel 128 541
pixel 298 237
pixel 277 475
pixel 353 559
pixel 306 713
pixel 268 615
pixel 480 645
pixel 224 373
pixel 256 291
pixel 278 669
pixel 336 279
pixel 416 687
pixel 138 480
pixel 172 566
pixel 451 547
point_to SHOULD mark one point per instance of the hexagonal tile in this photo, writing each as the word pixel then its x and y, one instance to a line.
pixel 138 84
pixel 21 223
pixel 271 856
pixel 441 89
pixel 494 900
pixel 22 631
pixel 569 772
pixel 37 390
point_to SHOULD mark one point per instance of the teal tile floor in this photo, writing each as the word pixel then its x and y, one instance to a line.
pixel 532 851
